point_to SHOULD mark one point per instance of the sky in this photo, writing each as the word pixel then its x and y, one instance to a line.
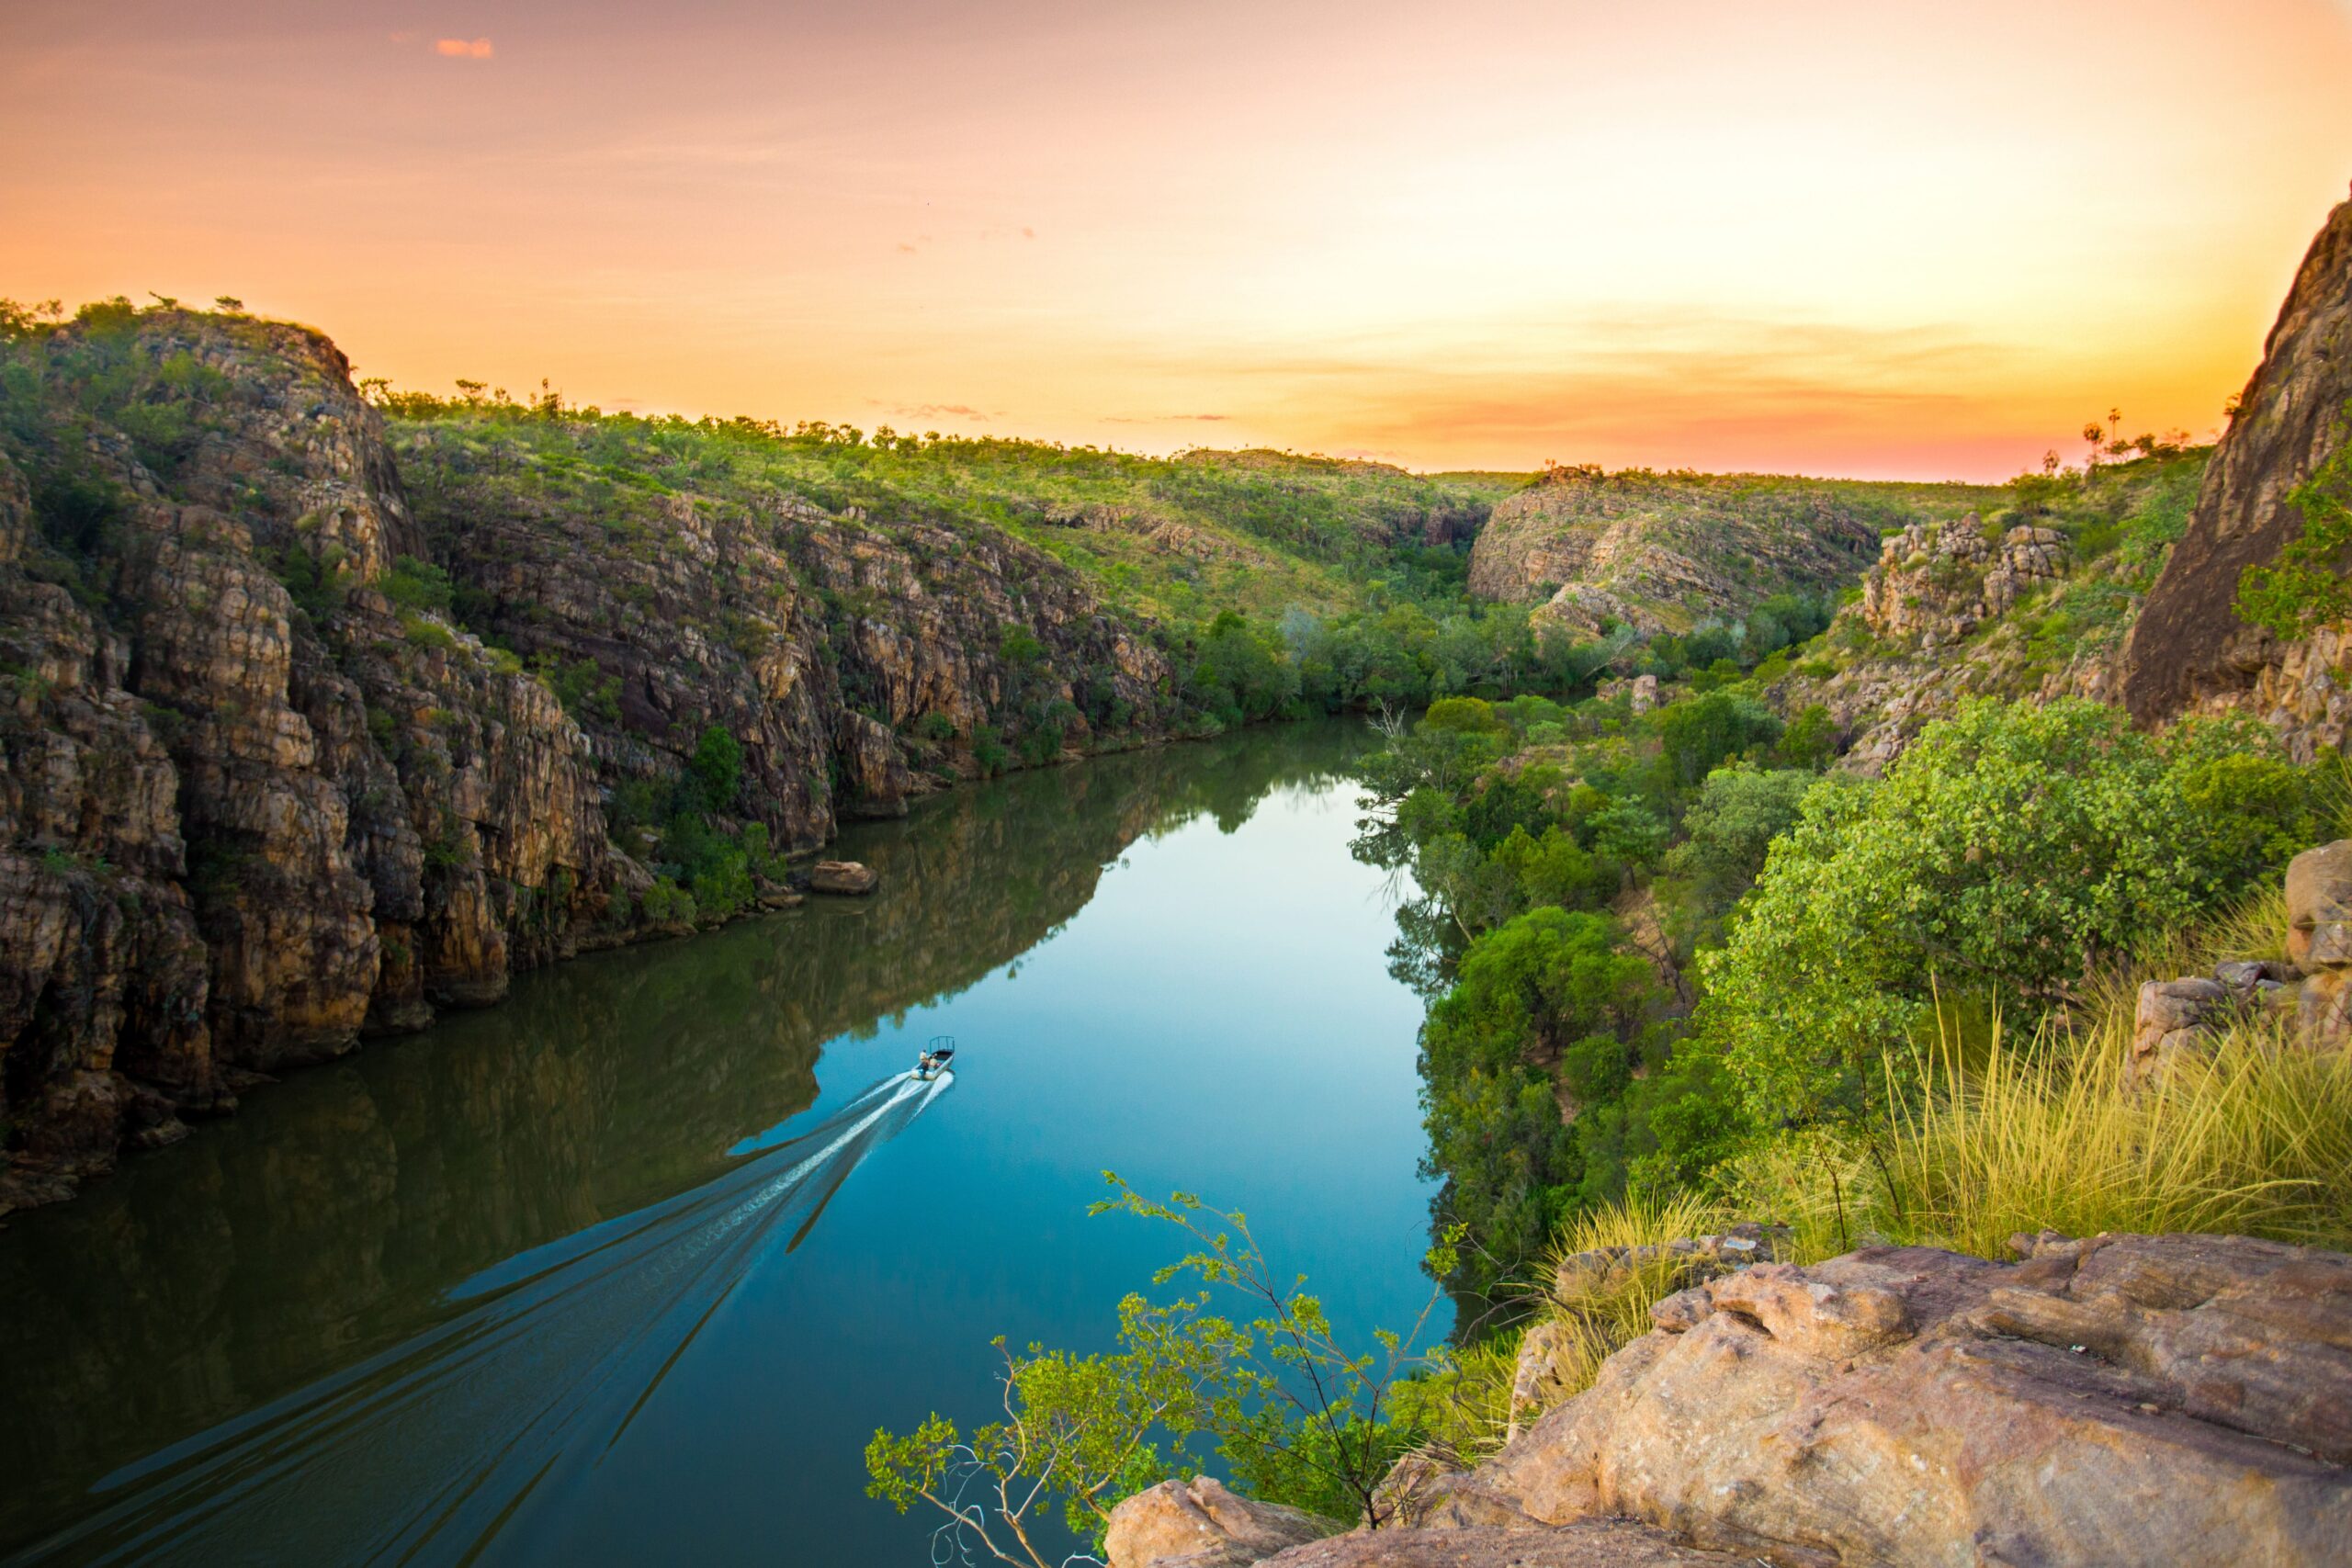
pixel 1903 239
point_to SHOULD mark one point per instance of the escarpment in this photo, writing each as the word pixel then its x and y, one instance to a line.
pixel 286 759
pixel 2190 650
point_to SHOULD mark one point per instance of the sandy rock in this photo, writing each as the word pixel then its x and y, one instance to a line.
pixel 842 876
pixel 2319 907
pixel 2184 1400
pixel 1587 1543
pixel 1200 1524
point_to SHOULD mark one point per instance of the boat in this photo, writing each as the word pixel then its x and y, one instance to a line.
pixel 936 1057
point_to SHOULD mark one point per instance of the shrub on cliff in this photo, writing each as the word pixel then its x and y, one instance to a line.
pixel 2011 852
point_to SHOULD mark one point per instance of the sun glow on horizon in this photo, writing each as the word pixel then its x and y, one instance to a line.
pixel 1832 238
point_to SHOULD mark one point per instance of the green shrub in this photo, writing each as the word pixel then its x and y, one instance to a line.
pixel 2306 585
pixel 2009 853
pixel 426 634
pixel 415 585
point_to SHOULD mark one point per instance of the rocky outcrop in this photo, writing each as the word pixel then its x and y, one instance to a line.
pixel 2305 998
pixel 1937 581
pixel 842 876
pixel 286 759
pixel 1657 551
pixel 2122 1399
pixel 1199 1524
pixel 2188 651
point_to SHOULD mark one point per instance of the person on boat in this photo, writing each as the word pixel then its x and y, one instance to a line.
pixel 934 1056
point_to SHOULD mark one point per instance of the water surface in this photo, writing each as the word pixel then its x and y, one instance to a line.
pixel 629 1268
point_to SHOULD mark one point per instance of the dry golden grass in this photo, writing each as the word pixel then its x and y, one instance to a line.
pixel 2256 1140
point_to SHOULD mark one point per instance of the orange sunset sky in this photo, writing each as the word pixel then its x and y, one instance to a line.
pixel 1889 239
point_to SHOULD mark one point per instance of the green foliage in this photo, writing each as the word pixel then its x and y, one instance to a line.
pixel 1298 1416
pixel 1738 812
pixel 2307 585
pixel 415 585
pixel 666 903
pixel 1699 734
pixel 1549 988
pixel 716 769
pixel 425 633
pixel 2008 852
pixel 585 691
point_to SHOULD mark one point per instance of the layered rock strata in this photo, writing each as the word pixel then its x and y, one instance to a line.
pixel 260 796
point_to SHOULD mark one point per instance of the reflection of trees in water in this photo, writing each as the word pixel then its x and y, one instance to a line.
pixel 328 1221
pixel 505 1409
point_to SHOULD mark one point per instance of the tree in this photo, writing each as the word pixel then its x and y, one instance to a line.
pixel 716 769
pixel 1302 1418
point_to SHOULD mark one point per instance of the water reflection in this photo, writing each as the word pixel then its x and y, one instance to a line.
pixel 329 1227
pixel 433 1448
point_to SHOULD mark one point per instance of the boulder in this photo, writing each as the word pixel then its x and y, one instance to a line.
pixel 2184 1400
pixel 2173 1015
pixel 842 876
pixel 2319 907
pixel 1199 1524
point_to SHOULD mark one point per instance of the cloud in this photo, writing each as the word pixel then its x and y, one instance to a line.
pixel 1027 232
pixel 937 410
pixel 462 49
pixel 1165 418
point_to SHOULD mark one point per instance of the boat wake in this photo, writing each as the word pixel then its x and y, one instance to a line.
pixel 428 1451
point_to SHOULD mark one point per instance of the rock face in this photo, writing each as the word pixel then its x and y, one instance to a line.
pixel 1937 581
pixel 2188 651
pixel 2125 1399
pixel 264 785
pixel 1199 1524
pixel 1655 551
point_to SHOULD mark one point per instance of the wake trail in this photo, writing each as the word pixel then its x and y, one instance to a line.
pixel 424 1452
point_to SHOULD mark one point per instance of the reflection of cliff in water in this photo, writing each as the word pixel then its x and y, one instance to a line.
pixel 328 1221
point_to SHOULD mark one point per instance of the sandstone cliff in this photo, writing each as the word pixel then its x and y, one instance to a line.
pixel 264 787
pixel 2189 651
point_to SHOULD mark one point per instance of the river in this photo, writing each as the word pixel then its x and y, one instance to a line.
pixel 628 1269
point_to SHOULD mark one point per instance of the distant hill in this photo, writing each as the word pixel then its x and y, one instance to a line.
pixel 1660 552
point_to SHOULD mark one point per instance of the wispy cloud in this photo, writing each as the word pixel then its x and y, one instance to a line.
pixel 1166 419
pixel 943 410
pixel 462 48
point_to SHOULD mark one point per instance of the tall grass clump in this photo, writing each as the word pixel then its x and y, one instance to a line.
pixel 1598 1310
pixel 2254 1140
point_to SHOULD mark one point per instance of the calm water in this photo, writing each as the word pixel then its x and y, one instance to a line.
pixel 629 1268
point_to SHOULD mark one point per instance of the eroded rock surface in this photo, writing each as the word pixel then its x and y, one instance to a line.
pixel 2125 1399
pixel 1199 1524
pixel 2189 651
